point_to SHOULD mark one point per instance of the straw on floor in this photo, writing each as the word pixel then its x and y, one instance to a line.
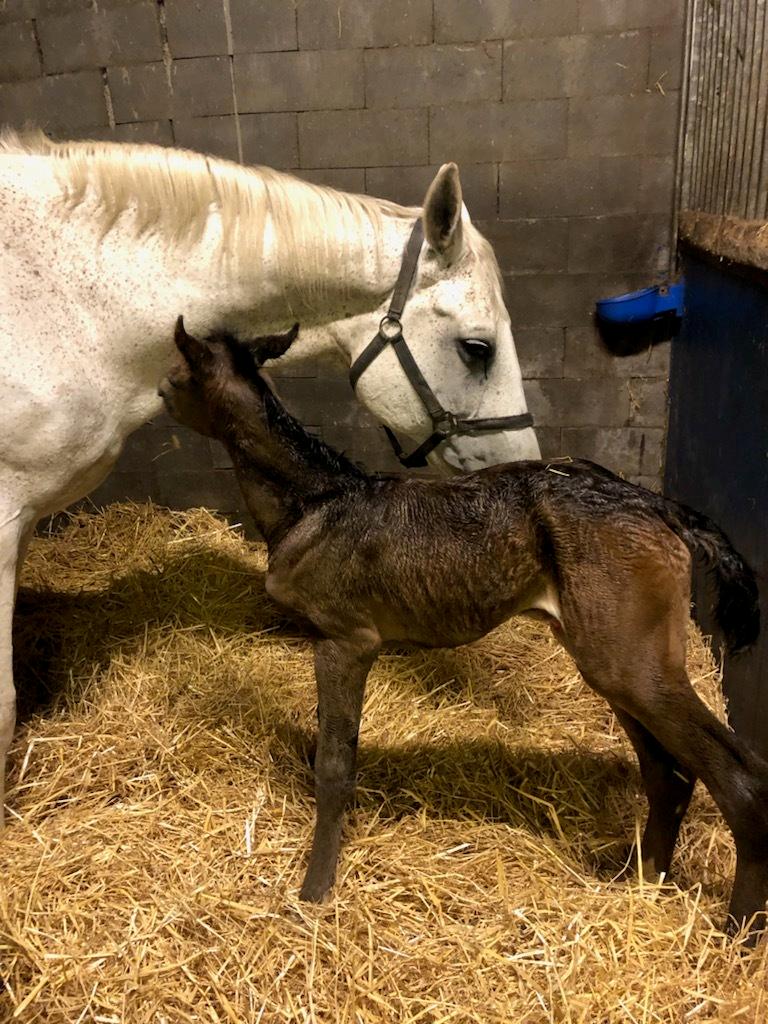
pixel 161 811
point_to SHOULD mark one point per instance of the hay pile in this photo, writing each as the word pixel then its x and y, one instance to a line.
pixel 161 809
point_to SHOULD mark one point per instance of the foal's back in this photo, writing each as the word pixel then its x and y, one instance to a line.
pixel 442 562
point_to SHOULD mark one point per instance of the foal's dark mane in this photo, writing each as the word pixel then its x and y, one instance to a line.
pixel 311 449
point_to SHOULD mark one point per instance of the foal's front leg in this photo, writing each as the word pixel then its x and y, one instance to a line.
pixel 341 669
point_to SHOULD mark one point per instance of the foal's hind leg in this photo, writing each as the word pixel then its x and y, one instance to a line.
pixel 668 787
pixel 341 669
pixel 663 701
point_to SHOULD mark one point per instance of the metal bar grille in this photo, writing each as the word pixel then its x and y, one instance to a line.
pixel 725 151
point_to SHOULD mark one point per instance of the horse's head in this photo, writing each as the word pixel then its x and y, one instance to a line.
pixel 458 330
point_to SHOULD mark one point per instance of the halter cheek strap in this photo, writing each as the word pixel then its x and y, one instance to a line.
pixel 445 424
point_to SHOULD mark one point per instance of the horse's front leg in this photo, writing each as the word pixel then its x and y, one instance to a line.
pixel 14 537
pixel 341 669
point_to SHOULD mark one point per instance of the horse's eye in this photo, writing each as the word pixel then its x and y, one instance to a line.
pixel 475 353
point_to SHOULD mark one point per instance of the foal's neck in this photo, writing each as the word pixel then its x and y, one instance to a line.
pixel 282 470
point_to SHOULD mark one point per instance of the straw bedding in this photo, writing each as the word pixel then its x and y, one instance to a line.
pixel 161 811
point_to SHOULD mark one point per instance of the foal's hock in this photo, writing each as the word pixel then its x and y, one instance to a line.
pixel 440 563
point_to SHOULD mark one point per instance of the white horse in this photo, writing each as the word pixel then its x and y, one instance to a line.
pixel 104 245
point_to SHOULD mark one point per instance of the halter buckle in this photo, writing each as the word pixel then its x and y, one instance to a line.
pixel 446 424
pixel 390 327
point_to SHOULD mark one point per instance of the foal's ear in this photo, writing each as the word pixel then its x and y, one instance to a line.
pixel 442 212
pixel 272 346
pixel 193 350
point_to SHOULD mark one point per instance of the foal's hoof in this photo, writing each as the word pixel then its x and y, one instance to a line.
pixel 313 892
pixel 756 929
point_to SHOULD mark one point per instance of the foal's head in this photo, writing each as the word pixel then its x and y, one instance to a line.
pixel 210 374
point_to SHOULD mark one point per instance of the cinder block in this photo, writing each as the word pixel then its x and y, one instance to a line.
pixel 270 139
pixel 18 51
pixel 345 24
pixel 578 403
pixel 363 138
pixel 586 356
pixel 665 67
pixel 429 75
pixel 95 38
pixel 550 441
pixel 219 455
pixel 654 450
pixel 202 87
pixel 619 449
pixel 43 7
pixel 560 300
pixel 633 243
pixel 528 246
pixel 69 42
pixel 540 351
pixel 140 92
pixel 135 485
pixel 648 402
pixel 650 483
pixel 199 87
pixel 642 125
pixel 266 25
pixel 408 186
pixel 214 135
pixel 178 449
pixel 655 192
pixel 17 10
pixel 215 489
pixel 570 187
pixel 129 35
pixel 196 28
pixel 612 15
pixel 575 65
pixel 157 132
pixel 476 132
pixel 299 81
pixel 70 102
pixel 459 21
pixel 347 179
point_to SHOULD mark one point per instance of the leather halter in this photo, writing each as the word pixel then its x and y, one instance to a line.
pixel 445 424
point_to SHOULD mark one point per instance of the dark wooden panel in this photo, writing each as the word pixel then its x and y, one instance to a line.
pixel 717 445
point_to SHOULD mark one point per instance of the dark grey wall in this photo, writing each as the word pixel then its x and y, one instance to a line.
pixel 561 113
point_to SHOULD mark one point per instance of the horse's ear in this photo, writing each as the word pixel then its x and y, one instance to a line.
pixel 193 350
pixel 272 346
pixel 442 212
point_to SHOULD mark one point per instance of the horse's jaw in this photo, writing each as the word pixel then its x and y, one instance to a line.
pixel 466 453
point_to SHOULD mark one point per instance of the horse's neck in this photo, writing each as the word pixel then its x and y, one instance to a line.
pixel 280 467
pixel 123 293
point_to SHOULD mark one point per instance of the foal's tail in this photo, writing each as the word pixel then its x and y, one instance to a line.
pixel 737 611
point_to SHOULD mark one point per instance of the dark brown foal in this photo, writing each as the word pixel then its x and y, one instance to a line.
pixel 440 563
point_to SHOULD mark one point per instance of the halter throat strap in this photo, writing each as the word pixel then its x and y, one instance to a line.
pixel 444 424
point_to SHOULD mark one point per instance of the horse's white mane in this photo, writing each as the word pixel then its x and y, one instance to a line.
pixel 319 232
pixel 171 193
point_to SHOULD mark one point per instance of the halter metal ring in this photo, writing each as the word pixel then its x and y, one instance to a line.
pixel 446 425
pixel 390 327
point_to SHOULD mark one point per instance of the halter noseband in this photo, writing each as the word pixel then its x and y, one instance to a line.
pixel 444 424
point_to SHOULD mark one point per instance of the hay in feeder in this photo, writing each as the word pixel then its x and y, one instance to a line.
pixel 161 812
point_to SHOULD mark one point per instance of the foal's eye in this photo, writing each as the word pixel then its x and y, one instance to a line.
pixel 475 353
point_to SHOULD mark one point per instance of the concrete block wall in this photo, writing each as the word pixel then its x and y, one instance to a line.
pixel 562 115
